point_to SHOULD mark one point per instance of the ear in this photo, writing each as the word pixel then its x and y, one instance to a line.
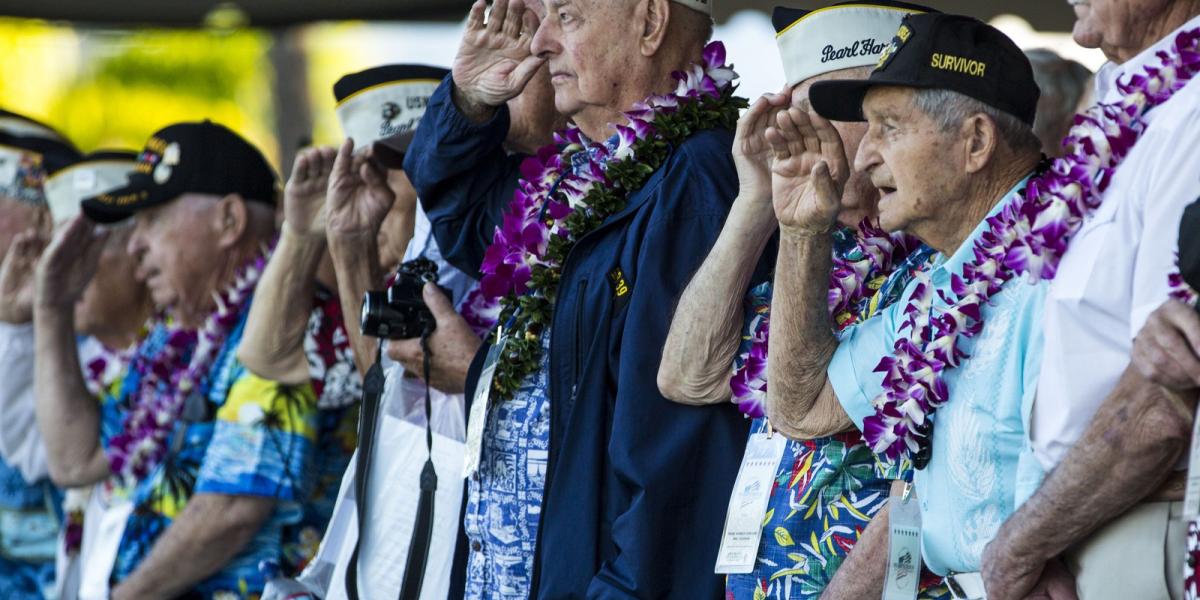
pixel 231 220
pixel 981 137
pixel 654 16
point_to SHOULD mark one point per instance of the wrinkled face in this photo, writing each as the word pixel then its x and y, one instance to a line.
pixel 177 252
pixel 392 244
pixel 533 116
pixel 15 217
pixel 114 290
pixel 915 166
pixel 1109 24
pixel 587 48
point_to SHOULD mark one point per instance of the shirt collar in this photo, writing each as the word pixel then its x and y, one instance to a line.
pixel 1110 73
pixel 966 252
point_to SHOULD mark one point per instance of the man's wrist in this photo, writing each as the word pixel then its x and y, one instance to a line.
pixel 475 111
pixel 806 233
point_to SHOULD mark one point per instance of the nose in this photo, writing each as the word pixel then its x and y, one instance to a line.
pixel 868 156
pixel 546 42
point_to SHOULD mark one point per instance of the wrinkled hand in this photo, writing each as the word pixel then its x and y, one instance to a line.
pixel 494 61
pixel 70 261
pixel 304 194
pixel 452 344
pixel 1008 572
pixel 1167 349
pixel 808 172
pixel 751 152
pixel 17 277
pixel 1056 583
pixel 358 196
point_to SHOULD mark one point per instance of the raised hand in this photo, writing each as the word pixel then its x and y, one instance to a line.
pixel 304 194
pixel 751 152
pixel 16 277
pixel 358 195
pixel 494 62
pixel 809 170
pixel 67 266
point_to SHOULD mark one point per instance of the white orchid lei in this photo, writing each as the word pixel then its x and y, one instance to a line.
pixel 165 381
pixel 569 188
pixel 1028 237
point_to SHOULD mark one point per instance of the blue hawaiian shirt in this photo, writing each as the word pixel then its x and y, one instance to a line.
pixel 825 490
pixel 257 439
pixel 28 536
pixel 504 499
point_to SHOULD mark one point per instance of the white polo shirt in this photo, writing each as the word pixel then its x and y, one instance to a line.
pixel 1115 272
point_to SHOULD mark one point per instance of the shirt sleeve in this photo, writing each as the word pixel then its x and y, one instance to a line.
pixel 21 443
pixel 263 441
pixel 463 177
pixel 852 371
pixel 1170 186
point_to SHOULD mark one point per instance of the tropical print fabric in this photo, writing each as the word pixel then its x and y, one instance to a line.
pixel 825 490
pixel 28 534
pixel 241 436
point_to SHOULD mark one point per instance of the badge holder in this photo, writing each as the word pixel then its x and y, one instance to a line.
pixel 748 503
pixel 904 547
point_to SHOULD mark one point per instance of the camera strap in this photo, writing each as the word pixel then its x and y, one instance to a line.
pixel 422 538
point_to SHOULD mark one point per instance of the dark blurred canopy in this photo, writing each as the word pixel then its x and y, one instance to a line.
pixel 1044 15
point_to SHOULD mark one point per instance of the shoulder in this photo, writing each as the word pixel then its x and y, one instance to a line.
pixel 699 174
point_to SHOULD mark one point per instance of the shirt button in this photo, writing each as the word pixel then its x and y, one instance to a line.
pixel 476 546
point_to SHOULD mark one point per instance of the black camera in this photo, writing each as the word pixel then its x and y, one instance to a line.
pixel 399 312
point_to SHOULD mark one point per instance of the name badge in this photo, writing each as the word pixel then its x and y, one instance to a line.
pixel 748 504
pixel 904 548
pixel 480 408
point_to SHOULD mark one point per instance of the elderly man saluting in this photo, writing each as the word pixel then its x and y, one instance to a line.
pixel 945 376
pixel 584 480
pixel 201 464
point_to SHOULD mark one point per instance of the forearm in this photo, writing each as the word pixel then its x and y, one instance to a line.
pixel 705 331
pixel 802 341
pixel 273 344
pixel 210 532
pixel 863 572
pixel 355 259
pixel 67 414
pixel 1127 451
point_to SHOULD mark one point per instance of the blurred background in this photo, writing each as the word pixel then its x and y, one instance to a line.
pixel 108 74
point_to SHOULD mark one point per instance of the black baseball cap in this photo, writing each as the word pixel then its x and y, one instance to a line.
pixel 201 158
pixel 941 51
pixel 27 134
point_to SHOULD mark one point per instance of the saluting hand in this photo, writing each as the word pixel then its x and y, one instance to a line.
pixel 494 61
pixel 16 277
pixel 809 170
pixel 751 152
pixel 358 195
pixel 304 194
pixel 69 263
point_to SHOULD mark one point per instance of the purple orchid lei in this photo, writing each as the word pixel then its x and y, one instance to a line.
pixel 849 292
pixel 1028 237
pixel 103 369
pixel 165 381
pixel 569 188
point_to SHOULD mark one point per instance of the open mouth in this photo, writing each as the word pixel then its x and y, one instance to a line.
pixel 885 191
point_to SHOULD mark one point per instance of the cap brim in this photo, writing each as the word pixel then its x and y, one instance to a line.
pixel 390 151
pixel 115 206
pixel 840 100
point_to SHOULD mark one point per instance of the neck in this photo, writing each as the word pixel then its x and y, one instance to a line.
pixel 652 79
pixel 1174 16
pixel 956 223
pixel 194 314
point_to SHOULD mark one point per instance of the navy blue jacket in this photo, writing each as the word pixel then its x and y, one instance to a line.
pixel 637 486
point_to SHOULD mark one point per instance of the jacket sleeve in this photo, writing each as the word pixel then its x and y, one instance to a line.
pixel 463 177
pixel 21 443
pixel 673 465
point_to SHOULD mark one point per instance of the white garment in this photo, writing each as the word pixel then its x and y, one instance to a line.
pixel 423 244
pixel 20 441
pixel 1115 272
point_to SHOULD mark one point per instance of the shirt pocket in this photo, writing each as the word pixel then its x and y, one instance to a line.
pixel 1082 272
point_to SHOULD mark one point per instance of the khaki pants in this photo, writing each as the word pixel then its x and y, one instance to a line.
pixel 1139 556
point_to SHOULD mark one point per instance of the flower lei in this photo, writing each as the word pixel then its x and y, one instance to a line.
pixel 1029 237
pixel 569 188
pixel 853 281
pixel 165 381
pixel 106 367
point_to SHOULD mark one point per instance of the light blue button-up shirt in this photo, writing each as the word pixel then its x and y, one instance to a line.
pixel 981 467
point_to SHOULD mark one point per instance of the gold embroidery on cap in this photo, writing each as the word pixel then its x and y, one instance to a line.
pixel 958 64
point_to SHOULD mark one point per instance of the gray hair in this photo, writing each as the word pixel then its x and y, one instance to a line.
pixel 949 109
pixel 1064 83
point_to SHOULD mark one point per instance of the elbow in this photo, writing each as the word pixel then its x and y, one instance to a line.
pixel 64 476
pixel 676 387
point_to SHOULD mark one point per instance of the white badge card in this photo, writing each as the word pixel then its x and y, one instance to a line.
pixel 748 503
pixel 1191 499
pixel 904 548
pixel 479 408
